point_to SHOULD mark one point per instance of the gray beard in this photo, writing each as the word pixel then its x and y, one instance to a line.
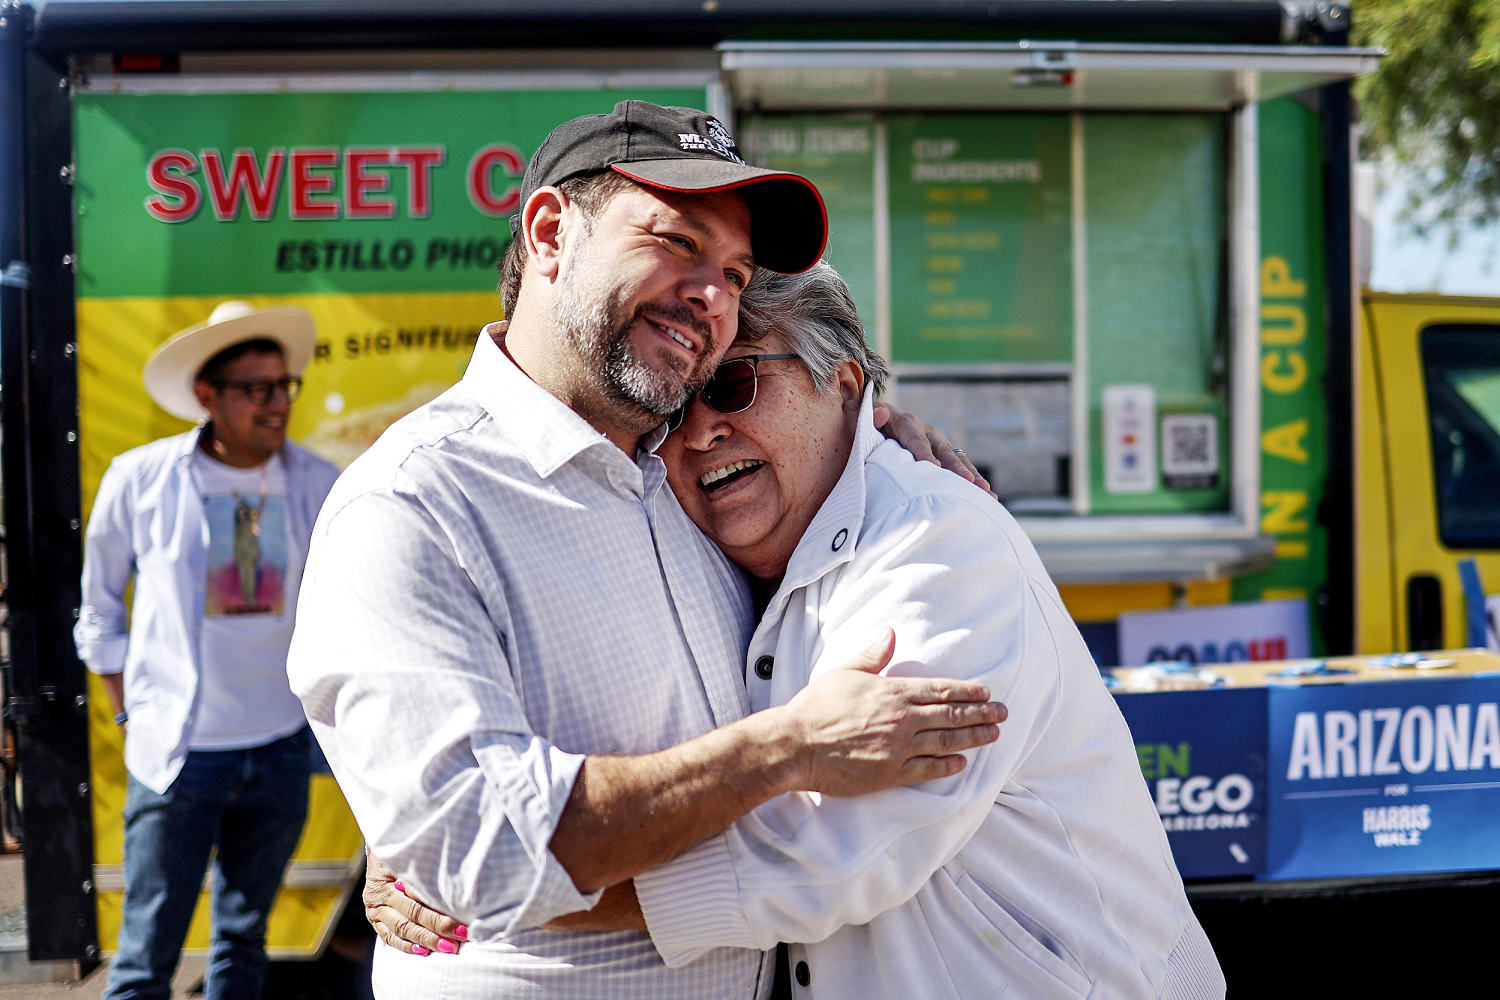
pixel 600 336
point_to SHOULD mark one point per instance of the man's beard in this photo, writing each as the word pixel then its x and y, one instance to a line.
pixel 596 326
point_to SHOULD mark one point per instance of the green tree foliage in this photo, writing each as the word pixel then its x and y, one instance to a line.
pixel 1434 105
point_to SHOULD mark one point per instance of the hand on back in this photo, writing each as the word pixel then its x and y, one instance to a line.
pixel 863 733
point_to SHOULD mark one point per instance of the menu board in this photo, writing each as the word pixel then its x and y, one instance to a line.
pixel 837 153
pixel 981 238
pixel 991 218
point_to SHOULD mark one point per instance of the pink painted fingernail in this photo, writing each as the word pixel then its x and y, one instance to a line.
pixel 461 932
pixel 417 949
pixel 447 947
pixel 399 886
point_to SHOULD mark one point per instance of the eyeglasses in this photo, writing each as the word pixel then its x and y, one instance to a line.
pixel 259 391
pixel 731 388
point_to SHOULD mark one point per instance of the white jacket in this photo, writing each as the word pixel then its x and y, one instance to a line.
pixel 1041 870
pixel 147 522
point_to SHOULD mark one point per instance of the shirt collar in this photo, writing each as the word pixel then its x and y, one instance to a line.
pixel 542 427
pixel 187 443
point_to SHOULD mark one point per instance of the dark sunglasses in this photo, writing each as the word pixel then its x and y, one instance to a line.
pixel 731 388
pixel 259 391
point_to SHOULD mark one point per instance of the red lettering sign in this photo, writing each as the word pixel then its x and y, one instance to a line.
pixel 365 189
pixel 245 182
pixel 421 160
pixel 481 188
pixel 1273 648
pixel 313 182
pixel 321 182
pixel 177 197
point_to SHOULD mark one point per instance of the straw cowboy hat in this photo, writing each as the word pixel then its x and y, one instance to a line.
pixel 174 366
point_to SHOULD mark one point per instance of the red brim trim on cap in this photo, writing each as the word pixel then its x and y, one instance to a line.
pixel 747 182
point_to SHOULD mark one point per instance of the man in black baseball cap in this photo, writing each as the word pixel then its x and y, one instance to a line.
pixel 524 663
pixel 631 328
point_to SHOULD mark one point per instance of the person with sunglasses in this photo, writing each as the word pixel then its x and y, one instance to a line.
pixel 212 527
pixel 521 659
pixel 1042 870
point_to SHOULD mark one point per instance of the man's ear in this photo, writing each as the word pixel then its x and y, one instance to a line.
pixel 850 380
pixel 544 226
pixel 204 393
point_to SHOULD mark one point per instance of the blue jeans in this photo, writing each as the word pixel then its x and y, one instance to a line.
pixel 249 804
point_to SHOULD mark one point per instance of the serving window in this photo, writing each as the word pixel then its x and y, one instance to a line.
pixel 1057 244
pixel 1052 289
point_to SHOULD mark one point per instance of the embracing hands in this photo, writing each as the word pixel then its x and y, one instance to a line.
pixel 862 733
pixel 407 924
pixel 850 732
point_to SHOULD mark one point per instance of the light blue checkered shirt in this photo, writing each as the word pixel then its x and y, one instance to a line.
pixel 494 590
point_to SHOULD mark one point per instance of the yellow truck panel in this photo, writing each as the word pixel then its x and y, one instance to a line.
pixel 1427 466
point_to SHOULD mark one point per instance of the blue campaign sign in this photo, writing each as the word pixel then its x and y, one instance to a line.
pixel 1384 778
pixel 1203 754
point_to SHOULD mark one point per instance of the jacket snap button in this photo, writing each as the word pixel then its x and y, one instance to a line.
pixel 803 975
pixel 763 667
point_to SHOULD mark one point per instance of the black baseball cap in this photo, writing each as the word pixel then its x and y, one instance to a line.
pixel 680 149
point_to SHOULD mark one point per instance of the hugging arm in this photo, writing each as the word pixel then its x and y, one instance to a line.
pixel 406 684
pixel 407 924
pixel 926 443
pixel 849 733
pixel 802 866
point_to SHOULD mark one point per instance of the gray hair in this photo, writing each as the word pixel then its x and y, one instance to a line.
pixel 814 313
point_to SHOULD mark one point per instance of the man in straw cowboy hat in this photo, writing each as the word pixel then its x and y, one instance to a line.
pixel 213 525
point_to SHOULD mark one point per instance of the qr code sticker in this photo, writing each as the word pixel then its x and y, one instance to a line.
pixel 1190 445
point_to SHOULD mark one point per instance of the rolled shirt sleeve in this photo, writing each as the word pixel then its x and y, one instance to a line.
pixel 400 660
pixel 940 569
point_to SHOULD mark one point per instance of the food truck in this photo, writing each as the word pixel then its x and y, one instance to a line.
pixel 1106 246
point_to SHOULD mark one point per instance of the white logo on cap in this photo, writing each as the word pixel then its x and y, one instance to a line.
pixel 717 141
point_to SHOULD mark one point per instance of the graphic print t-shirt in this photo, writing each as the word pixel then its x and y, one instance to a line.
pixel 243 695
pixel 247 538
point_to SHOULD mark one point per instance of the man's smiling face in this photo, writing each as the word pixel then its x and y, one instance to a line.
pixel 648 296
pixel 247 433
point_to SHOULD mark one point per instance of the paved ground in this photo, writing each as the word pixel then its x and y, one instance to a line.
pixel 14 969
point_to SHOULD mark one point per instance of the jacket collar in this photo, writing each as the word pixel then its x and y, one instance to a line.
pixel 184 444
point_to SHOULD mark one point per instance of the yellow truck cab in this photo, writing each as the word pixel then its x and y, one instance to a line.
pixel 1428 469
